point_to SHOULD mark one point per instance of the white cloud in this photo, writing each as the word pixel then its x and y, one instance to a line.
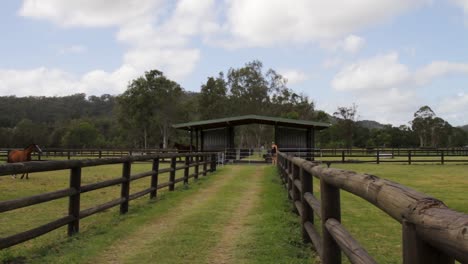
pixel 380 72
pixel 157 34
pixel 294 76
pixel 463 4
pixel 454 108
pixel 385 89
pixel 353 44
pixel 385 72
pixel 88 13
pixel 303 21
pixel 54 82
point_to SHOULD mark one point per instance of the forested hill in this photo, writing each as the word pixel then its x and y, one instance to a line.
pixel 465 128
pixel 49 110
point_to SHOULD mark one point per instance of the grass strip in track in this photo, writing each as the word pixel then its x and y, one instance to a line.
pixel 272 233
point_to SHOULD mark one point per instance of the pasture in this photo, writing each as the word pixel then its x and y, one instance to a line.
pixel 269 232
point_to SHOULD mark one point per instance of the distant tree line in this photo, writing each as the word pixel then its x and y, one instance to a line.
pixel 143 115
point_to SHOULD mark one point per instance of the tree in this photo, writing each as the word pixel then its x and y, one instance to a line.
pixel 422 124
pixel 346 117
pixel 150 102
pixel 213 98
pixel 81 134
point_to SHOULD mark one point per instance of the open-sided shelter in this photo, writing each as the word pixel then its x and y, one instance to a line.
pixel 218 134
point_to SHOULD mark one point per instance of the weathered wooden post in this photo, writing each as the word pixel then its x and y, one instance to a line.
pixel 409 157
pixel 204 159
pixel 296 195
pixel 330 199
pixel 442 160
pixel 68 154
pixel 154 178
pixel 288 178
pixel 213 163
pixel 343 156
pixel 378 156
pixel 186 170
pixel 74 201
pixel 417 251
pixel 100 154
pixel 125 187
pixel 172 174
pixel 197 166
pixel 307 212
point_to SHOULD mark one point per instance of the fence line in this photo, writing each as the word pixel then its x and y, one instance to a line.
pixel 432 232
pixel 75 213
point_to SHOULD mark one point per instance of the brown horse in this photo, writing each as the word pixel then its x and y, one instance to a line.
pixel 181 148
pixel 22 155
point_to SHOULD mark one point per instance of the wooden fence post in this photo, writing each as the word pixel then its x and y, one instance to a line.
pixel 442 160
pixel 213 163
pixel 409 157
pixel 154 178
pixel 68 155
pixel 74 201
pixel 186 170
pixel 416 251
pixel 288 179
pixel 197 168
pixel 172 174
pixel 330 199
pixel 204 159
pixel 343 156
pixel 295 190
pixel 125 187
pixel 307 212
pixel 378 156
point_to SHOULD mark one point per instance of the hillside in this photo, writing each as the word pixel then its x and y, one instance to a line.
pixel 465 128
pixel 370 124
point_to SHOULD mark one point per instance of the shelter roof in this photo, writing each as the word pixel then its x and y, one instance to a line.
pixel 251 119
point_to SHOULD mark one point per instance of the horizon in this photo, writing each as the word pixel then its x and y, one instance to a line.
pixel 387 57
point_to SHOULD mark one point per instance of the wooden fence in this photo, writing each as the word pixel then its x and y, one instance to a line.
pixel 75 213
pixel 432 233
pixel 378 156
pixel 69 154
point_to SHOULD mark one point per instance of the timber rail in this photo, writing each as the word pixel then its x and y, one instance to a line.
pixel 75 213
pixel 432 232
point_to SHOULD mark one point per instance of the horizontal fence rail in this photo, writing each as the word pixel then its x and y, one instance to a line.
pixel 76 188
pixel 263 155
pixel 432 232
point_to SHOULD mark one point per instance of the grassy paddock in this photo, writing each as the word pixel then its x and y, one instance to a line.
pixel 23 219
pixel 378 232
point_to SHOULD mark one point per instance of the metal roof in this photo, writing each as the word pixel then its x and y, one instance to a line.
pixel 251 119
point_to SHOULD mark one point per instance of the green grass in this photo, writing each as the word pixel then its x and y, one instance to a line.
pixel 274 233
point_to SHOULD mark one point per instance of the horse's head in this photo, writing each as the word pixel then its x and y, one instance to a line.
pixel 34 147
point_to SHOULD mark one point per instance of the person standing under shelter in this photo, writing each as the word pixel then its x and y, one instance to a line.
pixel 274 153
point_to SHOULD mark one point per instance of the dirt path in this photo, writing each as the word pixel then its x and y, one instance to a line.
pixel 232 232
pixel 140 239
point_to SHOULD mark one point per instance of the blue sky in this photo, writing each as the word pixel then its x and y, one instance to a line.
pixel 389 57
